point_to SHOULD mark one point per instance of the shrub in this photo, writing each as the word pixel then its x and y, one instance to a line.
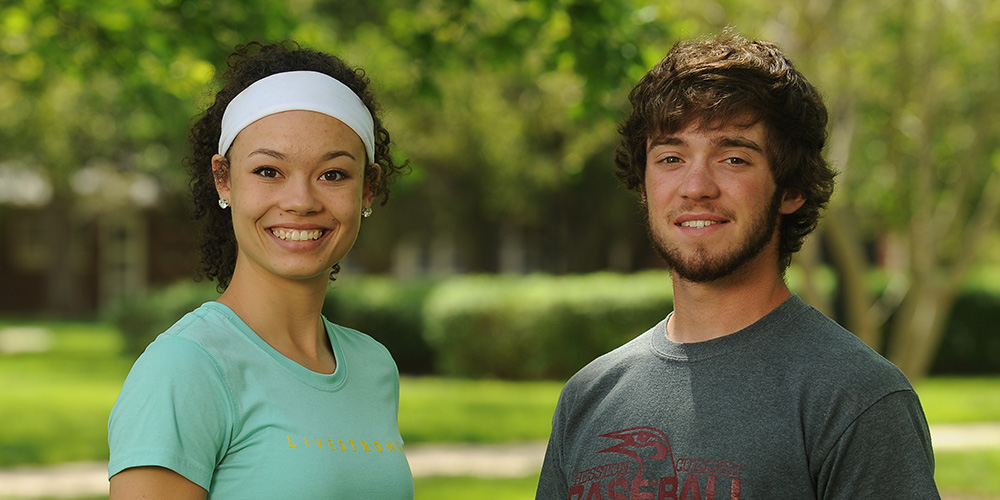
pixel 389 310
pixel 529 327
pixel 970 344
pixel 140 319
pixel 539 327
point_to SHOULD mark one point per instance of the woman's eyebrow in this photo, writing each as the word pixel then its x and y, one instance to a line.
pixel 337 154
pixel 267 152
pixel 281 156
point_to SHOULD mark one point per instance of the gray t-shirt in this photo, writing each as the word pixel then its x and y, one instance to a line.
pixel 791 407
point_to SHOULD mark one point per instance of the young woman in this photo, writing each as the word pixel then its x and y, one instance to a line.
pixel 256 395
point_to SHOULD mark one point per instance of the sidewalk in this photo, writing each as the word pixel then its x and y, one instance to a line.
pixel 91 479
pixel 488 461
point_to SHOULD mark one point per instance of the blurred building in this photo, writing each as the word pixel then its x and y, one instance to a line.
pixel 110 236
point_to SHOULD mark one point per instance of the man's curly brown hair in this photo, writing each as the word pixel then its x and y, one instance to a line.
pixel 731 80
pixel 247 64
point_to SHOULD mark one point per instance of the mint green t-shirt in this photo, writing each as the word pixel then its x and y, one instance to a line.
pixel 210 400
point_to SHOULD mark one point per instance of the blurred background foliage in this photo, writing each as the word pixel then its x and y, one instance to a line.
pixel 507 111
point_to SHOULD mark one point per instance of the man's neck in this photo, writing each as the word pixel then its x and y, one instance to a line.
pixel 705 311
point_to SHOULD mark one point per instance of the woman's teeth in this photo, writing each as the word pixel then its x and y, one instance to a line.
pixel 297 235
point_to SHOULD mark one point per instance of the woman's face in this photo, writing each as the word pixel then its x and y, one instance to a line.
pixel 296 188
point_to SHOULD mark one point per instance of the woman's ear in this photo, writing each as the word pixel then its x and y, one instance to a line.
pixel 372 175
pixel 220 170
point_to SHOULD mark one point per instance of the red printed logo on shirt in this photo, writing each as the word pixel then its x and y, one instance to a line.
pixel 642 467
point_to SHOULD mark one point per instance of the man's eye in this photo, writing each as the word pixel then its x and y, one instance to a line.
pixel 736 161
pixel 267 172
pixel 671 159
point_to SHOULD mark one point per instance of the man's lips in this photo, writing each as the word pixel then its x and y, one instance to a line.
pixel 698 224
pixel 699 221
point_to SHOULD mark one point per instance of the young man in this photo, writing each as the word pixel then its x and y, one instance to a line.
pixel 743 391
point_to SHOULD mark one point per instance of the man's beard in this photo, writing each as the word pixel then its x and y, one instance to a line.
pixel 702 266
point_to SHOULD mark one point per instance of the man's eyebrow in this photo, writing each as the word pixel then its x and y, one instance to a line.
pixel 667 140
pixel 739 142
pixel 728 141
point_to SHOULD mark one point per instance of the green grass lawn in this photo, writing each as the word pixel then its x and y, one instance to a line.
pixel 969 472
pixel 955 400
pixel 54 408
pixel 475 411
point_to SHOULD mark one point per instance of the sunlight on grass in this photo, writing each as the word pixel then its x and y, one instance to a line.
pixel 462 488
pixel 56 403
pixel 950 400
pixel 475 411
pixel 969 472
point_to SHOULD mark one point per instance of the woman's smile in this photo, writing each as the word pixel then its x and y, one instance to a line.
pixel 297 235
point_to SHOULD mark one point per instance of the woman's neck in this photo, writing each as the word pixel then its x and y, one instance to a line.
pixel 284 313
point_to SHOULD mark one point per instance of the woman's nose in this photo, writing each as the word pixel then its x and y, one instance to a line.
pixel 298 196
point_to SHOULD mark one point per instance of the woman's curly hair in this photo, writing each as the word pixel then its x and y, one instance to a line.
pixel 247 64
pixel 718 81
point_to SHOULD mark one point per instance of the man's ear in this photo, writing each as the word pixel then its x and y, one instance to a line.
pixel 220 170
pixel 792 201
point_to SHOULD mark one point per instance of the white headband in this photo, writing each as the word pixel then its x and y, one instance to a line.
pixel 297 90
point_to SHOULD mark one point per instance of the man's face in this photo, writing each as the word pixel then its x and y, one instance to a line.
pixel 712 203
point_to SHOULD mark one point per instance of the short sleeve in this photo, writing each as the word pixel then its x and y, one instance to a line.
pixel 552 480
pixel 174 411
pixel 885 453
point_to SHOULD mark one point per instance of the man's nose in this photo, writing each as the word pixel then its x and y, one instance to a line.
pixel 698 181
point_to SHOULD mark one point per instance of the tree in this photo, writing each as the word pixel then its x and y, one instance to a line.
pixel 912 90
pixel 510 115
pixel 508 110
pixel 941 150
pixel 97 96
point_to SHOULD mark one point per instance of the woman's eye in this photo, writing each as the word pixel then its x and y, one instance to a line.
pixel 333 176
pixel 268 172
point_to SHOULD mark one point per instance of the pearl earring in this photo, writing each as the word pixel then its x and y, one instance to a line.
pixel 223 203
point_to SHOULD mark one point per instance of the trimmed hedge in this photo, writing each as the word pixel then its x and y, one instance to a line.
pixel 140 319
pixel 971 343
pixel 529 327
pixel 539 327
pixel 388 310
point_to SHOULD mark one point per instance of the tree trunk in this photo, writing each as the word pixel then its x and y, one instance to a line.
pixel 812 292
pixel 852 269
pixel 918 328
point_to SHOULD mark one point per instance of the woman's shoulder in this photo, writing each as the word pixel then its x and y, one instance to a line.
pixel 211 326
pixel 194 339
pixel 350 336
